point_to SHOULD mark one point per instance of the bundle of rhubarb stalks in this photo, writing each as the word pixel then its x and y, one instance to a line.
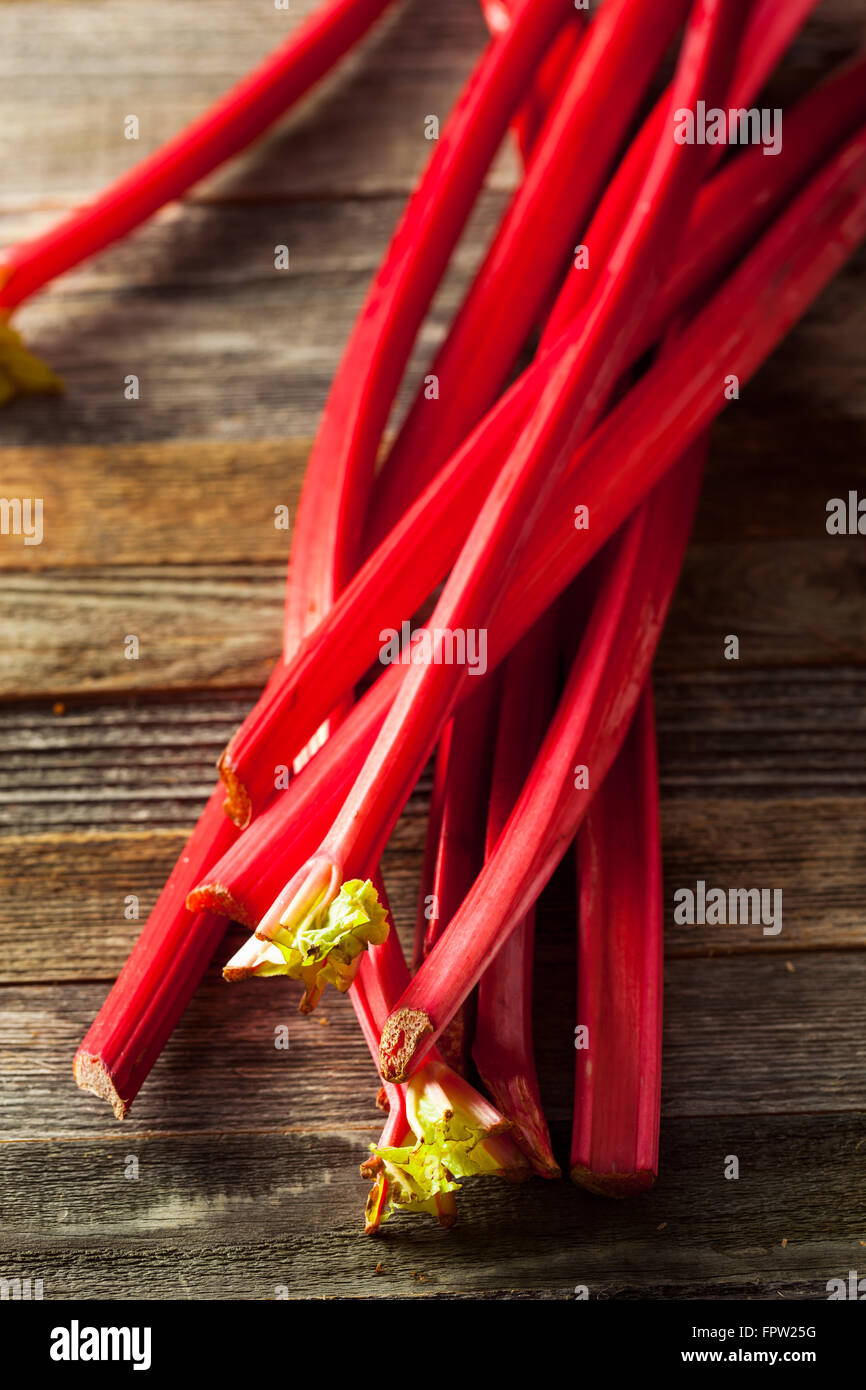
pixel 535 503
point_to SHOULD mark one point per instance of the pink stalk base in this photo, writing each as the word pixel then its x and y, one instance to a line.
pixel 160 977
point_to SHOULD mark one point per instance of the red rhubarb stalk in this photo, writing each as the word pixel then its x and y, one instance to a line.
pixel 341 467
pixel 503 1048
pixel 570 158
pixel 454 850
pixel 460 839
pixel 443 803
pixel 342 463
pixel 629 452
pixel 478 346
pixel 589 725
pixel 148 998
pixel 619 1015
pixel 551 72
pixel 793 267
pixel 415 556
pixel 614 1146
pixel 435 816
pixel 340 470
pixel 459 848
pixel 572 400
pixel 771 27
pixel 160 976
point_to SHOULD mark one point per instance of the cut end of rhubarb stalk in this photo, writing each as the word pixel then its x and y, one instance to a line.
pixel 612 1184
pixel 237 804
pixel 91 1074
pixel 401 1039
pixel 255 960
pixel 212 897
pixel 22 374
pixel 319 937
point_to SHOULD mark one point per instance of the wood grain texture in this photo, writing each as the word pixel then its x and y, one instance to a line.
pixel 148 759
pixel 194 625
pixel 795 603
pixel 224 346
pixel 159 522
pixel 743 1036
pixel 195 501
pixel 201 503
pixel 210 1217
pixel 358 133
pixel 78 885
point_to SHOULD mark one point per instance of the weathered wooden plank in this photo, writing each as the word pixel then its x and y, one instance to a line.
pixel 241 366
pixel 248 1216
pixel 252 356
pixel 101 62
pixel 224 1046
pixel 177 500
pixel 766 481
pixel 766 718
pixel 125 763
pixel 65 630
pixel 744 1035
pixel 224 344
pixel 76 885
pixel 191 247
pixel 731 731
pixel 788 602
pixel 193 502
pixel 809 851
pixel 249 362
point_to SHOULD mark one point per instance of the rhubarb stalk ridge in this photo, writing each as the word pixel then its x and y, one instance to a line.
pixel 316 931
pixel 21 373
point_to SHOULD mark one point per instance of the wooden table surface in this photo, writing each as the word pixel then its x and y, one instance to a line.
pixel 158 522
